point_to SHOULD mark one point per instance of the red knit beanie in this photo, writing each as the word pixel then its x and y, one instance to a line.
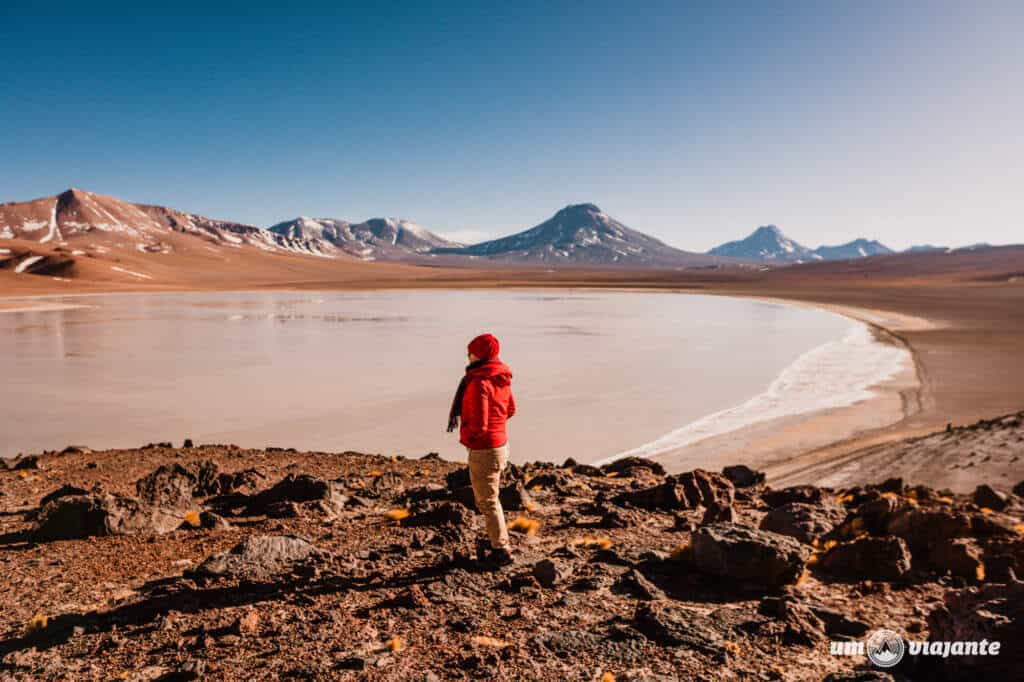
pixel 484 347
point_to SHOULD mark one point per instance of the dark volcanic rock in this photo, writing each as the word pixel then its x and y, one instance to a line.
pixel 634 584
pixel 630 465
pixel 806 494
pixel 993 612
pixel 667 623
pixel 295 488
pixel 731 551
pixel 801 625
pixel 686 491
pixel 258 557
pixel 662 497
pixel 65 490
pixel 868 558
pixel 924 530
pixel 514 497
pixel 174 485
pixel 551 572
pixel 444 514
pixel 79 516
pixel 989 497
pixel 960 557
pixel 743 476
pixel 805 522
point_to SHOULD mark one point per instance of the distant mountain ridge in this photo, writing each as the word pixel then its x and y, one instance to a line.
pixel 583 234
pixel 767 244
pixel 376 238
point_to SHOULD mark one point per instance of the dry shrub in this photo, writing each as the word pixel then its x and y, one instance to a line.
pixel 192 518
pixel 590 541
pixel 397 515
pixel 36 623
pixel 493 642
pixel 524 525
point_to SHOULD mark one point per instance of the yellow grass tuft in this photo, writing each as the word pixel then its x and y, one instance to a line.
pixel 892 496
pixel 979 572
pixel 731 647
pixel 944 500
pixel 829 544
pixel 395 644
pixel 803 577
pixel 611 474
pixel 813 559
pixel 607 677
pixel 524 525
pixel 192 518
pixel 590 541
pixel 845 499
pixel 985 510
pixel 375 473
pixel 1019 528
pixel 397 515
pixel 493 642
pixel 530 506
pixel 36 623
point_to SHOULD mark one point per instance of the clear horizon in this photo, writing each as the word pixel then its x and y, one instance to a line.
pixel 696 125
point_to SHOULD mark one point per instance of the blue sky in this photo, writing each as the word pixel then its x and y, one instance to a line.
pixel 695 122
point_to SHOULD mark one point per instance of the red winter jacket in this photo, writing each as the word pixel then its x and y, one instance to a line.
pixel 486 404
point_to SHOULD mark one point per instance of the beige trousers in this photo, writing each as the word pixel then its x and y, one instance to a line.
pixel 485 467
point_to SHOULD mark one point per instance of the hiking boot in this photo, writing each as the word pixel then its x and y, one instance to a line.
pixel 502 557
pixel 496 558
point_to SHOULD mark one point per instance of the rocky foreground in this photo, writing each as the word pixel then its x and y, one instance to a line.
pixel 219 563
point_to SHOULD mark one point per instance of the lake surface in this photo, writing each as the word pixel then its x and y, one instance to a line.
pixel 596 374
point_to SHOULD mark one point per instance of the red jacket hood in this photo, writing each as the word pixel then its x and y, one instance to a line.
pixel 493 370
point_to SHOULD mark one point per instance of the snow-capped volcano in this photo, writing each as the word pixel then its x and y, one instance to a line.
pixel 767 244
pixel 858 248
pixel 583 234
pixel 374 239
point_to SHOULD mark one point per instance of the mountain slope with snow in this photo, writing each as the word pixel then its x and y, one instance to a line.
pixel 858 248
pixel 374 239
pixel 766 244
pixel 582 234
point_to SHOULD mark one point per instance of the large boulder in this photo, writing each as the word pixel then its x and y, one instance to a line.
pixel 631 466
pixel 960 557
pixel 805 522
pixel 993 612
pixel 296 488
pixel 743 476
pixel 174 485
pixel 805 494
pixel 667 623
pixel 686 491
pixel 79 516
pixel 868 558
pixel 734 552
pixel 258 557
pixel 925 530
pixel 990 498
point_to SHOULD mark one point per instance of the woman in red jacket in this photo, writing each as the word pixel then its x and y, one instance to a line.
pixel 484 402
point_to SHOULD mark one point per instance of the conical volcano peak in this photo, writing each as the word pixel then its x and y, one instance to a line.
pixel 580 208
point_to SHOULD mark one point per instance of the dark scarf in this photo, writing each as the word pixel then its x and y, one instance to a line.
pixel 456 411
